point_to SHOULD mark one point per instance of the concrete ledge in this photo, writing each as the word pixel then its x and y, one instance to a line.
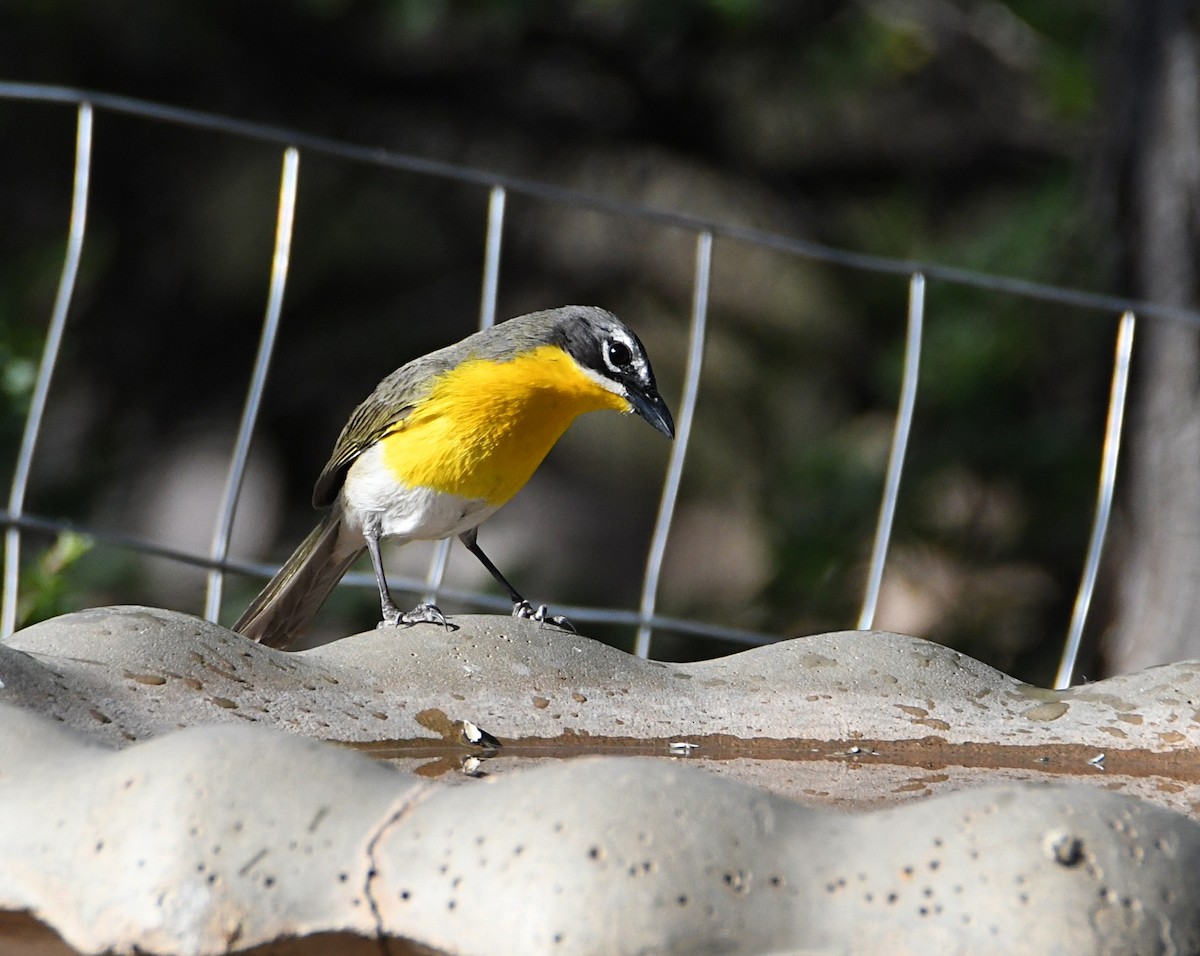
pixel 853 719
pixel 231 839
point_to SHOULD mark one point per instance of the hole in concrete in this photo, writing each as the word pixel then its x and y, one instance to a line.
pixel 736 880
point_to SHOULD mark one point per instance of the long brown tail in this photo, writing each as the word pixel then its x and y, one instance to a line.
pixel 281 613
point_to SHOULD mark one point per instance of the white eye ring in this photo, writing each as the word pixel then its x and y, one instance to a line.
pixel 618 355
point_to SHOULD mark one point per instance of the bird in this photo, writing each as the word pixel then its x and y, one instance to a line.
pixel 446 440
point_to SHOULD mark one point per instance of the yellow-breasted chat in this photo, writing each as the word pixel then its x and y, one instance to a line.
pixel 443 442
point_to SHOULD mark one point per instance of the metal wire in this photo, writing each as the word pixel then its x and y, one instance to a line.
pixel 586 615
pixel 904 417
pixel 683 434
pixel 285 219
pixel 1104 499
pixel 41 389
pixel 375 156
pixel 491 257
pixel 645 618
pixel 487 318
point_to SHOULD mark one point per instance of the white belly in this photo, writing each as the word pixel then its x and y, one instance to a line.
pixel 371 498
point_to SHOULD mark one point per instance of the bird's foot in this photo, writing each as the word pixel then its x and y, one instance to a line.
pixel 423 613
pixel 541 614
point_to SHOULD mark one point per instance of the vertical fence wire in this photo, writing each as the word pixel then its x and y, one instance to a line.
pixel 487 318
pixel 491 257
pixel 691 388
pixel 1104 499
pixel 904 417
pixel 285 219
pixel 41 388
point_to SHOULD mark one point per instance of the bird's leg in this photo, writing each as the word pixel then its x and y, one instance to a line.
pixel 471 540
pixel 521 607
pixel 423 613
pixel 391 613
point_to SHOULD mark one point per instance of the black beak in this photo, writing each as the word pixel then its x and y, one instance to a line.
pixel 649 404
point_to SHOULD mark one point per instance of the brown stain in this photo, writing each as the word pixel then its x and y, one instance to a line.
pixel 436 720
pixel 153 680
pixel 913 786
pixel 1050 710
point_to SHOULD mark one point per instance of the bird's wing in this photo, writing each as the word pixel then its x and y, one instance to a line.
pixel 396 396
pixel 391 402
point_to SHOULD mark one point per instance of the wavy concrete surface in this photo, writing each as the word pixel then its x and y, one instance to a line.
pixel 242 839
pixel 858 719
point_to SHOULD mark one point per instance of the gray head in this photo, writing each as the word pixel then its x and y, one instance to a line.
pixel 608 350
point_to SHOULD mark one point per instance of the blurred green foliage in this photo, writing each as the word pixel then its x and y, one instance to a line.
pixel 47 588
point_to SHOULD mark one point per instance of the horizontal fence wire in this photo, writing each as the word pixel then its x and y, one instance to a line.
pixel 645 618
pixel 804 249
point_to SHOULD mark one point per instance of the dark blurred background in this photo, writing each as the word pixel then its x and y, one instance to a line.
pixel 1046 141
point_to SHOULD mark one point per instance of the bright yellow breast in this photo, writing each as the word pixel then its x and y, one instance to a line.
pixel 486 425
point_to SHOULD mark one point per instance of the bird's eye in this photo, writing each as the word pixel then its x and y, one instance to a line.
pixel 619 354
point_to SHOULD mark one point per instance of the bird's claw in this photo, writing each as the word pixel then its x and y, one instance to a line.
pixel 524 609
pixel 541 614
pixel 423 613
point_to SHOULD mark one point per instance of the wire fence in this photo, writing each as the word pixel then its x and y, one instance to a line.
pixel 645 617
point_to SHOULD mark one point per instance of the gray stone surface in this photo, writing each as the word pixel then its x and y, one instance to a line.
pixel 858 719
pixel 222 839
